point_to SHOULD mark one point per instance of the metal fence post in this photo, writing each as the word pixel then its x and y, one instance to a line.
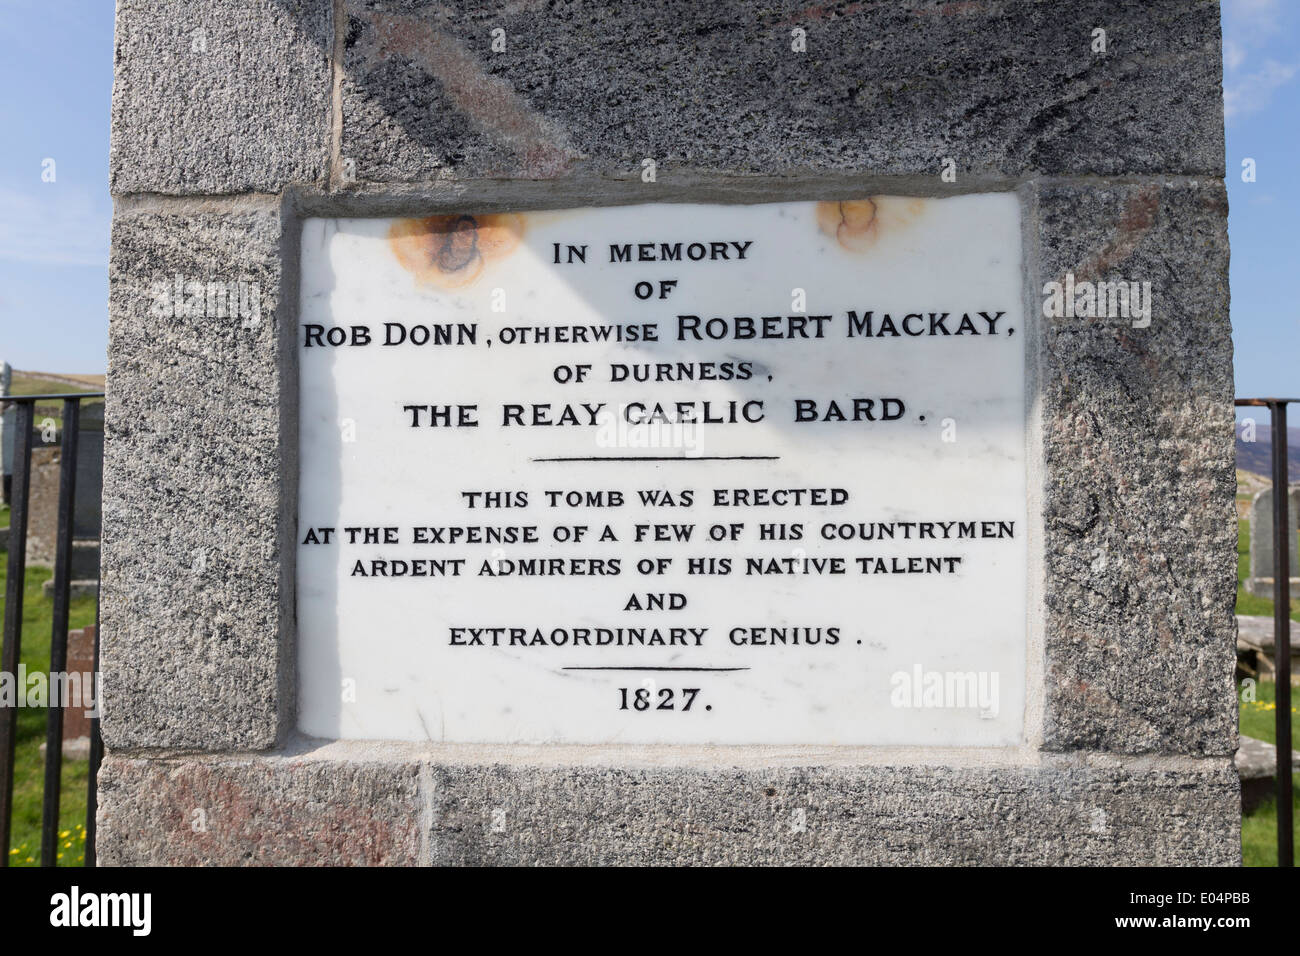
pixel 20 510
pixel 1283 535
pixel 13 626
pixel 59 634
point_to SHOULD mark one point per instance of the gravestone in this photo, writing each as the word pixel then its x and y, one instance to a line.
pixel 79 707
pixel 821 454
pixel 1262 574
pixel 43 501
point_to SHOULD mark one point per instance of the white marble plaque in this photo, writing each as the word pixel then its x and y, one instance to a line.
pixel 665 473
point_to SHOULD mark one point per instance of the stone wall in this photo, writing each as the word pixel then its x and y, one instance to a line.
pixel 233 121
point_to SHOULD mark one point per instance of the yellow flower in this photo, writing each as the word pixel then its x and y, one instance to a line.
pixel 64 835
pixel 68 845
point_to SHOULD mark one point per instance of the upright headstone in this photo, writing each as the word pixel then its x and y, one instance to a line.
pixel 669 433
pixel 43 503
pixel 1261 577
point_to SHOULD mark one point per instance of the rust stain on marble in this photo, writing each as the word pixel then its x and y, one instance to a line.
pixel 858 224
pixel 451 251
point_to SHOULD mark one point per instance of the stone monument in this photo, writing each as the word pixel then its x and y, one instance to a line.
pixel 1261 577
pixel 719 433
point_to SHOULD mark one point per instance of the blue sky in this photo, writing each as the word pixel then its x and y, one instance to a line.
pixel 57 81
pixel 57 78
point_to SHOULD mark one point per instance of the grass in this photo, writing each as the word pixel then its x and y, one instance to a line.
pixel 1259 831
pixel 23 384
pixel 25 837
pixel 1259 827
pixel 1258 717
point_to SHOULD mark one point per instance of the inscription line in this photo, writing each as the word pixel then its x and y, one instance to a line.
pixel 667 458
pixel 714 669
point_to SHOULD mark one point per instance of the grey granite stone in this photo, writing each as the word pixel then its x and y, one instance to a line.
pixel 868 815
pixel 1139 473
pixel 892 88
pixel 257 812
pixel 1256 763
pixel 312 809
pixel 220 96
pixel 196 460
pixel 1137 437
pixel 1258 758
pixel 1256 633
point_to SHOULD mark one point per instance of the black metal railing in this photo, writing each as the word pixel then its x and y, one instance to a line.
pixel 20 508
pixel 1281 619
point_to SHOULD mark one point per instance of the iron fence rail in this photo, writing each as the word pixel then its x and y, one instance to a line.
pixel 1281 619
pixel 20 508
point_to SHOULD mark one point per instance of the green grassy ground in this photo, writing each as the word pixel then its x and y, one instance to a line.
pixel 23 384
pixel 25 836
pixel 1259 827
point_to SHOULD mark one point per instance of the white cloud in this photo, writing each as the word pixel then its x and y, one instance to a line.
pixel 1249 26
pixel 1233 54
pixel 1250 93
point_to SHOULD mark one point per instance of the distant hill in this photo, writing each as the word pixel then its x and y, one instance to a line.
pixel 51 383
pixel 1257 456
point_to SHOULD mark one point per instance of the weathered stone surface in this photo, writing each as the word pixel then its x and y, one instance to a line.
pixel 257 811
pixel 890 88
pixel 1137 422
pixel 1256 763
pixel 1139 478
pixel 1256 633
pixel 313 809
pixel 196 456
pixel 1258 758
pixel 220 97
pixel 867 815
